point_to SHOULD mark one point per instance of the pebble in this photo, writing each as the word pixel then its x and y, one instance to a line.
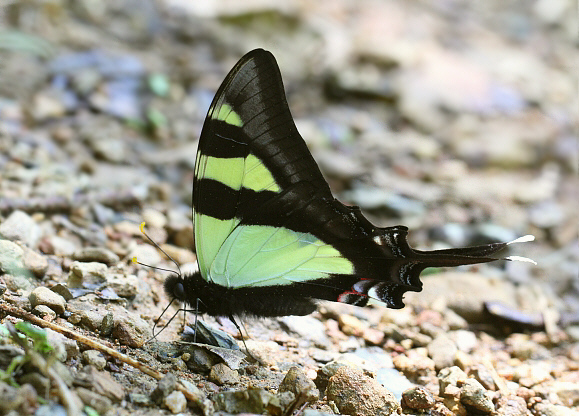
pixel 95 254
pixel 19 226
pixel 44 312
pixel 355 393
pixel 221 374
pixel 101 382
pixel 94 358
pixel 35 262
pixel 44 296
pixel 414 365
pixel 126 286
pixel 176 402
pixel 511 406
pixel 417 398
pixel 98 402
pixel 164 387
pixel 131 330
pixel 62 290
pixel 64 347
pixel 303 388
pixel 251 400
pixel 307 327
pixel 474 397
pixel 442 350
pixel 86 274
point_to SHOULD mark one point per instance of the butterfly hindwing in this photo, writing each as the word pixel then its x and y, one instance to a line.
pixel 269 234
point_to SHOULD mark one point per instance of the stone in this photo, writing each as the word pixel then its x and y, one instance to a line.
pixel 19 226
pixel 94 358
pixel 44 312
pixel 221 374
pixel 442 351
pixel 417 398
pixel 35 262
pixel 95 254
pixel 124 285
pixel 44 296
pixel 252 400
pixel 303 388
pixel 97 401
pixel 474 397
pixel 131 330
pixel 86 274
pixel 176 402
pixel 354 393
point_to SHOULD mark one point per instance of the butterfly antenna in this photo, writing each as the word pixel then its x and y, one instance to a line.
pixel 142 228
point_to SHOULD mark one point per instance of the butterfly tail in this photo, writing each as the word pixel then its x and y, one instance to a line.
pixel 401 273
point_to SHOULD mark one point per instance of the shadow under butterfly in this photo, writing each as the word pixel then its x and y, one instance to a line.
pixel 270 238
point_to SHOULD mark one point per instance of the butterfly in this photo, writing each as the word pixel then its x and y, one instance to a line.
pixel 271 239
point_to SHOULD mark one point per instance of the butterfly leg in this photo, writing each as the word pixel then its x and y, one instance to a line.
pixel 232 319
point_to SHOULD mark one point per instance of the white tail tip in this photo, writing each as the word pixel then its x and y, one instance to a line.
pixel 523 239
pixel 520 258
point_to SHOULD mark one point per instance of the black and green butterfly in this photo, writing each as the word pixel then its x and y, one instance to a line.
pixel 270 237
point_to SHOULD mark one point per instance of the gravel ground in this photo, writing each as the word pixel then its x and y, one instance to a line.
pixel 453 118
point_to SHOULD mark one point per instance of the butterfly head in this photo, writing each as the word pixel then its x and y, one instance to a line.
pixel 175 288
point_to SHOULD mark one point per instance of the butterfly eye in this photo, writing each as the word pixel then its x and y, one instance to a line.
pixel 179 291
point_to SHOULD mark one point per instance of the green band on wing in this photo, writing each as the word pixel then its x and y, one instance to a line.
pixel 209 233
pixel 228 171
pixel 229 116
pixel 257 176
pixel 256 255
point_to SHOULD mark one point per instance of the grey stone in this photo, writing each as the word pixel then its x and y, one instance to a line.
pixel 442 350
pixel 176 402
pixel 94 358
pixel 44 296
pixel 20 226
pixel 221 374
pixel 96 254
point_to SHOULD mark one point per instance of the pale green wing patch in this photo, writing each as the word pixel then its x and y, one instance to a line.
pixel 229 116
pixel 257 177
pixel 255 255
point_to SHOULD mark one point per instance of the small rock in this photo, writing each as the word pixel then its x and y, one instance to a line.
pixel 308 328
pixel 548 409
pixel 252 400
pixel 40 383
pixel 511 406
pixel 300 385
pixel 414 365
pixel 86 274
pixel 165 386
pixel 58 246
pixel 474 397
pixel 417 398
pixel 154 218
pixel 448 380
pixel 483 376
pixel 324 374
pixel 464 340
pixel 100 382
pixel 98 402
pixel 567 392
pixel 221 374
pixel 123 285
pixel 354 393
pixel 44 296
pixel 62 290
pixel 132 331
pixel 64 347
pixel 35 262
pixel 442 351
pixel 11 258
pixel 176 402
pixel 94 358
pixel 20 226
pixel 44 312
pixel 96 254
pixel 350 325
pixel 107 324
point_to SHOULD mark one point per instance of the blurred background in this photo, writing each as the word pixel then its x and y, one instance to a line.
pixel 456 118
